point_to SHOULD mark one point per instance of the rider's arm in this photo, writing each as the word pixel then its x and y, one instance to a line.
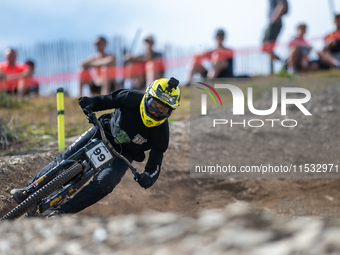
pixel 153 166
pixel 117 99
pixel 160 138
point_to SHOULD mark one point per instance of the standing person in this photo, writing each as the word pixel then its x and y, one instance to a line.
pixel 139 123
pixel 298 51
pixel 14 77
pixel 329 56
pixel 277 9
pixel 145 68
pixel 103 64
pixel 221 59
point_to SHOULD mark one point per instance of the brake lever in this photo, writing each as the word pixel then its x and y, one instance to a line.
pixel 136 177
pixel 88 112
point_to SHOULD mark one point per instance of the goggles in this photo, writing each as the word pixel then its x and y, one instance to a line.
pixel 155 106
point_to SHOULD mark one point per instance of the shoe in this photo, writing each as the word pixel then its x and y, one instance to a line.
pixel 56 213
pixel 19 195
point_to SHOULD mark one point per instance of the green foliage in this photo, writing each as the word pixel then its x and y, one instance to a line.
pixel 7 101
pixel 172 119
pixel 285 74
pixel 6 134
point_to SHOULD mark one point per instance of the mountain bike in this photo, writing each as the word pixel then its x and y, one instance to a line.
pixel 64 180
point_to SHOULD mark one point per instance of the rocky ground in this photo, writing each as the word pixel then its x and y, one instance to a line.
pixel 183 215
pixel 236 229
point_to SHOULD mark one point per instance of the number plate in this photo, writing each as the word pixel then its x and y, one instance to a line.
pixel 99 155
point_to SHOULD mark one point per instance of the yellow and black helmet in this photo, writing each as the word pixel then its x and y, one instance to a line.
pixel 159 102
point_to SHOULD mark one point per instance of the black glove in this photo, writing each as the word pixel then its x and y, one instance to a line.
pixel 85 103
pixel 144 180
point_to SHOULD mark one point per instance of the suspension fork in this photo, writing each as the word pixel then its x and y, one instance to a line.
pixel 68 190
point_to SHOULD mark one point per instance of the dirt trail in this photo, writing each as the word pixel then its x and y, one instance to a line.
pixel 176 191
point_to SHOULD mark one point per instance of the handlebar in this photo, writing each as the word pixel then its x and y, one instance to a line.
pixel 92 118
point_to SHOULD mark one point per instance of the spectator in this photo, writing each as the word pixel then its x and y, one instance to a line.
pixel 15 77
pixel 330 55
pixel 143 69
pixel 299 50
pixel 33 86
pixel 103 64
pixel 221 59
pixel 277 9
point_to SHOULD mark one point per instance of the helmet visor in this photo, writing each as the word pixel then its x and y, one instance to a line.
pixel 157 109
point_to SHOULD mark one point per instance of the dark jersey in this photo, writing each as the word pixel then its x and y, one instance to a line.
pixel 334 36
pixel 129 135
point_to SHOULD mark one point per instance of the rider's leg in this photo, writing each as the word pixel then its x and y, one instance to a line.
pixel 101 185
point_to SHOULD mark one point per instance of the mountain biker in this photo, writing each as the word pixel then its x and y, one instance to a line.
pixel 139 123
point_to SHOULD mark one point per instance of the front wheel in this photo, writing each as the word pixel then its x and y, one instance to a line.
pixel 53 185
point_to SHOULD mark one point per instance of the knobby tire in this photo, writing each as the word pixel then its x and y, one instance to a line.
pixel 33 199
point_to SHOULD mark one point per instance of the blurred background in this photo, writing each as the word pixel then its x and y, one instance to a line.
pixel 57 35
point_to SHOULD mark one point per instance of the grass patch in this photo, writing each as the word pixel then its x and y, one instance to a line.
pixel 6 135
pixel 33 122
pixel 7 101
